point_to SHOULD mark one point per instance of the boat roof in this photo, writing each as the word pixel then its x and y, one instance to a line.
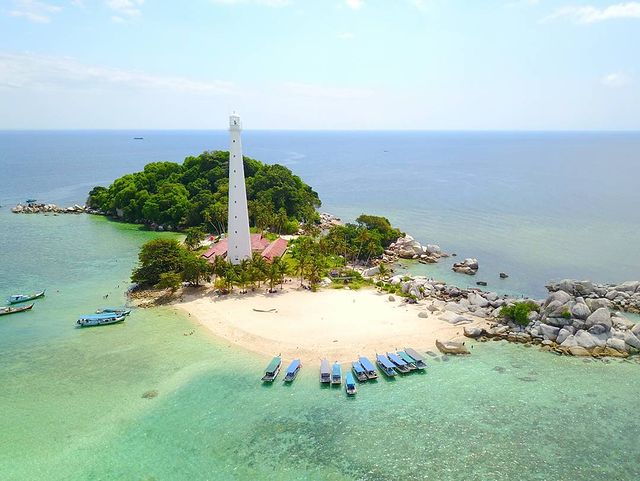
pixel 104 315
pixel 382 359
pixel 367 364
pixel 275 362
pixel 357 366
pixel 350 379
pixel 414 354
pixel 395 358
pixel 337 370
pixel 405 356
pixel 324 366
pixel 293 366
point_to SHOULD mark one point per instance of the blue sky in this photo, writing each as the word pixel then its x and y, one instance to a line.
pixel 320 64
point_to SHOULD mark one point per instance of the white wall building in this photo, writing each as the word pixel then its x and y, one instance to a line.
pixel 239 239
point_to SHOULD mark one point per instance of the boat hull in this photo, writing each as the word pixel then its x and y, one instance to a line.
pixel 20 299
pixel 99 322
pixel 13 310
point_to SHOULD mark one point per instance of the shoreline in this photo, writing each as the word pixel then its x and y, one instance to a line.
pixel 338 324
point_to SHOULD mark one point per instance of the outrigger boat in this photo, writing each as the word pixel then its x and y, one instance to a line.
pixel 409 360
pixel 350 385
pixel 336 373
pixel 385 365
pixel 419 360
pixel 12 310
pixel 292 370
pixel 120 311
pixel 325 372
pixel 99 321
pixel 272 370
pixel 17 298
pixel 359 371
pixel 400 364
pixel 369 368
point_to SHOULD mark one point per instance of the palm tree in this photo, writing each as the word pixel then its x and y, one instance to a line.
pixel 275 272
pixel 258 268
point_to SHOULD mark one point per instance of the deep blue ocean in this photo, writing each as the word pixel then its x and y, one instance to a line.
pixel 536 205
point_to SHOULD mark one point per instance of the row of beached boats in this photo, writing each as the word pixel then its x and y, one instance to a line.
pixel 390 364
pixel 19 299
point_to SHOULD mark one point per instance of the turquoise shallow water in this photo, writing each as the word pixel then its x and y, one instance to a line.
pixel 72 406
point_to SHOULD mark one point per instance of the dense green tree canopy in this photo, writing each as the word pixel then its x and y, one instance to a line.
pixel 196 192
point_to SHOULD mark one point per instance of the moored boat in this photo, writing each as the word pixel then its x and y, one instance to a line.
pixel 420 361
pixel 359 371
pixel 272 370
pixel 121 311
pixel 385 365
pixel 411 362
pixel 99 321
pixel 369 368
pixel 17 298
pixel 350 384
pixel 12 310
pixel 399 363
pixel 336 373
pixel 325 372
pixel 292 370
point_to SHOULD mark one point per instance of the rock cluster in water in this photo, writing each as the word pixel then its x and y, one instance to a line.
pixel 577 318
pixel 33 208
pixel 408 248
pixel 327 221
pixel 467 266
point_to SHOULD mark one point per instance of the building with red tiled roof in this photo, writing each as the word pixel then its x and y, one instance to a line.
pixel 259 243
pixel 276 249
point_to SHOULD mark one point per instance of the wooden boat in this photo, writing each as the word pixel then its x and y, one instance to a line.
pixel 421 363
pixel 121 311
pixel 359 371
pixel 325 372
pixel 99 321
pixel 336 373
pixel 272 370
pixel 399 363
pixel 409 360
pixel 369 368
pixel 385 365
pixel 350 385
pixel 292 370
pixel 17 298
pixel 12 310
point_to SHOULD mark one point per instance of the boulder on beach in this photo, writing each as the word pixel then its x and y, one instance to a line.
pixel 473 332
pixel 451 347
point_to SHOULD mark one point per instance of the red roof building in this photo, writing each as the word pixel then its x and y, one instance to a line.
pixel 258 244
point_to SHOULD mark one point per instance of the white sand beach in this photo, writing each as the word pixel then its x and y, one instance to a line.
pixel 336 324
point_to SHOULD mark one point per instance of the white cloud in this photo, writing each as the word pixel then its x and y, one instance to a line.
pixel 616 79
pixel 320 91
pixel 30 71
pixel 266 3
pixel 33 10
pixel 125 8
pixel 591 14
pixel 354 4
pixel 346 36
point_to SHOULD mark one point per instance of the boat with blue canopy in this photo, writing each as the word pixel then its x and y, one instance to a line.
pixel 409 360
pixel 385 365
pixel 292 370
pixel 99 321
pixel 420 361
pixel 400 364
pixel 104 315
pixel 369 368
pixel 359 371
pixel 325 372
pixel 336 373
pixel 350 384
pixel 272 370
pixel 17 298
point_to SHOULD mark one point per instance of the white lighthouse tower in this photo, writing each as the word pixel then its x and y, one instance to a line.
pixel 239 239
